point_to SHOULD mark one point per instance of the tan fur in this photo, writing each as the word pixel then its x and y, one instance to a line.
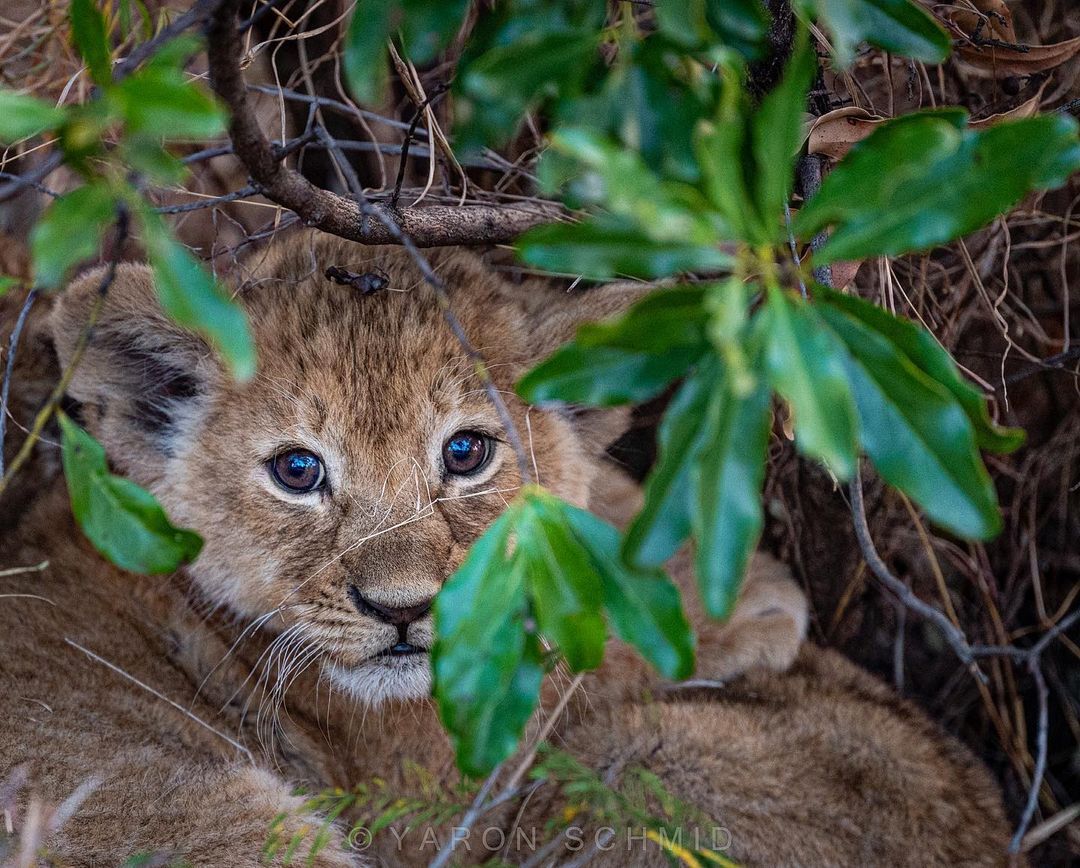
pixel 199 700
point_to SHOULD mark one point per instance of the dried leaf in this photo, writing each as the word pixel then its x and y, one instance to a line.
pixel 1002 60
pixel 1027 109
pixel 996 15
pixel 834 133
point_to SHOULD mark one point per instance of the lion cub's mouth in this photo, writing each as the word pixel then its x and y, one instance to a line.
pixel 401 649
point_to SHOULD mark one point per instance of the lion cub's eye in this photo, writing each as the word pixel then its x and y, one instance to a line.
pixel 297 470
pixel 466 452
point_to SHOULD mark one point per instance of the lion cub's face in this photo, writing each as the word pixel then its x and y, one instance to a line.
pixel 341 487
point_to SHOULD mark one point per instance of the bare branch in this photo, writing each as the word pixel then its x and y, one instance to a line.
pixel 433 226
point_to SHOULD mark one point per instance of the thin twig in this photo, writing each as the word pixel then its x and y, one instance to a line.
pixel 113 667
pixel 434 95
pixel 957 641
pixel 13 347
pixel 471 816
pixel 432 226
pixel 1041 748
pixel 57 394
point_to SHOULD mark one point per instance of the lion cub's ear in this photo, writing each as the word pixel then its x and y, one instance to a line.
pixel 553 314
pixel 141 377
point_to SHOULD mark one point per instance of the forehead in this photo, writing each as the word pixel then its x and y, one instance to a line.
pixel 382 364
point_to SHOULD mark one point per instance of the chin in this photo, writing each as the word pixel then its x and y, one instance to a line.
pixel 382 679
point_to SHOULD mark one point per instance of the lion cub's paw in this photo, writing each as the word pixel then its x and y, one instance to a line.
pixel 765 631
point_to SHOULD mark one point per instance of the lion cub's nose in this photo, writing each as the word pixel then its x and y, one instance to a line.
pixel 397 616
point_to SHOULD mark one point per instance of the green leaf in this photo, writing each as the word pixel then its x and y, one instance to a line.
pixel 898 26
pixel 426 26
pixel 662 320
pixel 644 607
pixel 146 155
pixel 628 359
pixel 664 520
pixel 741 25
pixel 91 39
pixel 665 210
pixel 915 431
pixel 609 247
pixel 487 669
pixel 70 232
pixel 776 128
pixel 563 584
pixel 160 101
pixel 22 116
pixel 924 351
pixel 806 366
pixel 602 376
pixel 508 80
pixel 123 521
pixel 727 482
pixel 926 178
pixel 365 49
pixel 194 299
pixel 721 148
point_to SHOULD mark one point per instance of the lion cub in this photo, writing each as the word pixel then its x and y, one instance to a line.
pixel 336 492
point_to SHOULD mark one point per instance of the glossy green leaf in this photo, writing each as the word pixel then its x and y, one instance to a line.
pixel 609 247
pixel 777 130
pixel 487 669
pixel 70 232
pixel 625 360
pixel 926 179
pixel 22 116
pixel 123 521
pixel 644 607
pixel 651 104
pixel 664 520
pixel 898 26
pixel 602 376
pixel 806 366
pixel 660 321
pixel 928 355
pixel 365 54
pixel 915 431
pixel 665 210
pixel 91 40
pixel 499 87
pixel 563 584
pixel 727 481
pixel 194 299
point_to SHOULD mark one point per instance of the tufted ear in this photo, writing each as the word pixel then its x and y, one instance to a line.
pixel 142 377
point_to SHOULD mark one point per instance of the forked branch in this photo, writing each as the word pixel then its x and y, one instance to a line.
pixel 432 226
